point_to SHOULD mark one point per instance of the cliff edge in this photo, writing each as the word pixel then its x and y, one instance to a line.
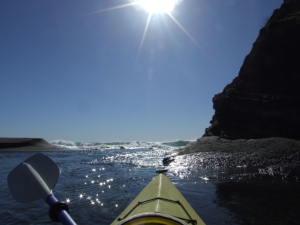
pixel 264 99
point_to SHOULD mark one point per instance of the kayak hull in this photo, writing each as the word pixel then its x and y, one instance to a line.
pixel 160 202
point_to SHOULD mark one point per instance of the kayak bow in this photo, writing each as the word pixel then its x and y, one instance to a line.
pixel 160 202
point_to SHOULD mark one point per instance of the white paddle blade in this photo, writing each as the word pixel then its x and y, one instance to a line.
pixel 21 184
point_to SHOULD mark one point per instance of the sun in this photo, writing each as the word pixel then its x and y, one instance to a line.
pixel 151 6
pixel 158 6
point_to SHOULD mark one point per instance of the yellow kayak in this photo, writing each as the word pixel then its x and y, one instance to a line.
pixel 160 202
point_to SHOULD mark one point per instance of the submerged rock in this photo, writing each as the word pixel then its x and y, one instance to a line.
pixel 167 160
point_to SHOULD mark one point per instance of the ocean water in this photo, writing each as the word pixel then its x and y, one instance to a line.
pixel 99 180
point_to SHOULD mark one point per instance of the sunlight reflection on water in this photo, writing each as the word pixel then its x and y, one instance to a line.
pixel 98 185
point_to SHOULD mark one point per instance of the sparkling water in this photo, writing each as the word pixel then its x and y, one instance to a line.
pixel 98 182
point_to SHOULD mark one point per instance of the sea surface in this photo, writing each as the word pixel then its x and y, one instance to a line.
pixel 99 180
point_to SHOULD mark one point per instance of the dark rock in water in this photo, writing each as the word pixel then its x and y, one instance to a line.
pixel 167 160
pixel 264 100
pixel 122 147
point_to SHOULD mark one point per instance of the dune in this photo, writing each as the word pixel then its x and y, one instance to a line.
pixel 26 144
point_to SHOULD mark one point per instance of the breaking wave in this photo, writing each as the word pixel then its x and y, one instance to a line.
pixel 120 145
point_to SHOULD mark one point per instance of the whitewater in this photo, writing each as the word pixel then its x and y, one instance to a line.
pixel 120 145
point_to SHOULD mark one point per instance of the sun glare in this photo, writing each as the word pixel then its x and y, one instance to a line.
pixel 162 6
pixel 151 6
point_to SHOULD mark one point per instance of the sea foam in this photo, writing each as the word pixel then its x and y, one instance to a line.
pixel 119 145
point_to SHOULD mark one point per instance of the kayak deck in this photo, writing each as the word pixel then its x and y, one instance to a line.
pixel 160 202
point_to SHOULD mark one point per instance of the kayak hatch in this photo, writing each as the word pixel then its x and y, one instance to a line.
pixel 160 202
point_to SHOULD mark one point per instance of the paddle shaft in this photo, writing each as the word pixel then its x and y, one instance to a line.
pixel 35 179
pixel 62 215
pixel 45 192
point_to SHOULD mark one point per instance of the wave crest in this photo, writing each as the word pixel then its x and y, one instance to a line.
pixel 120 145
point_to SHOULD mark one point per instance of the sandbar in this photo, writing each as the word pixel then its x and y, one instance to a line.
pixel 26 144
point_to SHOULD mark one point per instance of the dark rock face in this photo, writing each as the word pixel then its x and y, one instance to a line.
pixel 264 100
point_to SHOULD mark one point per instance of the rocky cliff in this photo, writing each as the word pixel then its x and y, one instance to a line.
pixel 264 99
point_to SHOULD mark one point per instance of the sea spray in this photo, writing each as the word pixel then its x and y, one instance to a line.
pixel 120 145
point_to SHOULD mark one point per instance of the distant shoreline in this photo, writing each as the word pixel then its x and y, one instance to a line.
pixel 26 144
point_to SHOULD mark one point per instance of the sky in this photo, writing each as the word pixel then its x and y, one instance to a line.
pixel 73 70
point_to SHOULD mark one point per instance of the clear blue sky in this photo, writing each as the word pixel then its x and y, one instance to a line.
pixel 67 74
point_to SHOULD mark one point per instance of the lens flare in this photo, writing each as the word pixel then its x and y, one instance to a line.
pixel 151 6
pixel 161 6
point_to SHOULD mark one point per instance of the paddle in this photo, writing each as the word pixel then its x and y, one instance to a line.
pixel 35 179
